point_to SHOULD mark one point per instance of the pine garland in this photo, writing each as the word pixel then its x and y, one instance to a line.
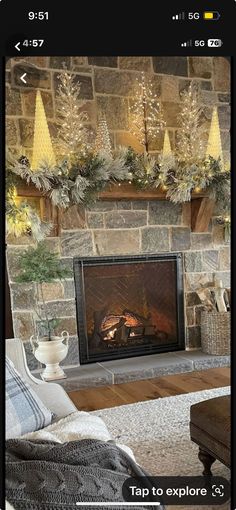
pixel 82 173
pixel 73 184
pixel 90 174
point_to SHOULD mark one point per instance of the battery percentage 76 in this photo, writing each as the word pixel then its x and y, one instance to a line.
pixel 216 43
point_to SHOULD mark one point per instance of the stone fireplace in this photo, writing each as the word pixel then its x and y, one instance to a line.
pixel 129 306
pixel 121 228
pixel 135 227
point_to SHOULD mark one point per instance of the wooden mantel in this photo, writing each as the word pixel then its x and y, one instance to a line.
pixel 130 192
pixel 201 205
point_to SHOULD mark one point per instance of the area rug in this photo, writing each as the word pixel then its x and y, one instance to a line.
pixel 158 433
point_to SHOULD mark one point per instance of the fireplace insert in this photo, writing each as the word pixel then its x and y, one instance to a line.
pixel 128 306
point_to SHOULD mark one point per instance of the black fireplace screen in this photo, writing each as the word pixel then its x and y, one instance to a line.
pixel 128 306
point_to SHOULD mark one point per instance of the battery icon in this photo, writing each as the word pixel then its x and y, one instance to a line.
pixel 215 43
pixel 211 15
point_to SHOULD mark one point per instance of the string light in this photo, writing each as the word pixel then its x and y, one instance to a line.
pixel 145 113
pixel 72 134
pixel 189 145
pixel 14 194
pixel 103 142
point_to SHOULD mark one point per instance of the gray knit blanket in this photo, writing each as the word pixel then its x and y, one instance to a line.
pixel 44 475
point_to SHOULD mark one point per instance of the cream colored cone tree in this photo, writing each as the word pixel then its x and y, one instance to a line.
pixel 214 146
pixel 166 145
pixel 42 145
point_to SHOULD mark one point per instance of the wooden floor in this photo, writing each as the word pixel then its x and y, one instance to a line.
pixel 119 394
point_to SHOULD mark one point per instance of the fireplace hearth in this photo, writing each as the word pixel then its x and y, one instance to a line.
pixel 128 306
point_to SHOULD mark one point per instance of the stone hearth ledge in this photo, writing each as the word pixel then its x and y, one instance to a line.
pixel 138 368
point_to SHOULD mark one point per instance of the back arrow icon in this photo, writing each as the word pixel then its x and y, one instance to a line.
pixel 17 46
pixel 22 78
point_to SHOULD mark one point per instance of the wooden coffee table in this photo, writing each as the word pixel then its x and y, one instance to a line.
pixel 210 427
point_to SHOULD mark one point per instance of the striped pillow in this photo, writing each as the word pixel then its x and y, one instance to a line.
pixel 25 412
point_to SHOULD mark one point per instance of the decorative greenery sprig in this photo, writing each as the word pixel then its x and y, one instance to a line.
pixel 39 265
pixel 21 218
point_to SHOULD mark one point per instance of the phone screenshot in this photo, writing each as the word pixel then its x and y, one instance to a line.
pixel 117 150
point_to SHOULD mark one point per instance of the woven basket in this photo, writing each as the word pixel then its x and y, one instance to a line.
pixel 215 333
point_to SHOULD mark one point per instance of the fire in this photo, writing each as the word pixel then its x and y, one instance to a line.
pixel 110 334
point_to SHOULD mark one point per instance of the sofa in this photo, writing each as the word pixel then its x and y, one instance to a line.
pixel 68 423
pixel 54 397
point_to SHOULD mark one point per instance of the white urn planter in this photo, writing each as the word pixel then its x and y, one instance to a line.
pixel 51 353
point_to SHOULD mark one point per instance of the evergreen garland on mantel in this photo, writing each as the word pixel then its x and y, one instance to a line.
pixel 79 182
pixel 82 171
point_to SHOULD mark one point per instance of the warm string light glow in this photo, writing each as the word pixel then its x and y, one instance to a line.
pixel 14 194
pixel 72 135
pixel 18 223
pixel 214 146
pixel 189 147
pixel 42 145
pixel 145 113
pixel 102 141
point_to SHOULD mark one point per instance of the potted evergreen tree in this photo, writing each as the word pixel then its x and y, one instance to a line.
pixel 40 265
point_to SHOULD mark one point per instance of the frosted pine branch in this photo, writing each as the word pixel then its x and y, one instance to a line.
pixel 189 146
pixel 72 135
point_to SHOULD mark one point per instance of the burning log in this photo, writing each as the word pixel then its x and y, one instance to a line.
pixel 122 334
pixel 111 328
pixel 133 319
pixel 112 331
pixel 130 319
pixel 110 321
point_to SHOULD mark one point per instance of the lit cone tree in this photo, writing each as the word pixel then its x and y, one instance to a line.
pixel 167 159
pixel 102 141
pixel 72 134
pixel 42 144
pixel 145 113
pixel 214 146
pixel 166 152
pixel 189 147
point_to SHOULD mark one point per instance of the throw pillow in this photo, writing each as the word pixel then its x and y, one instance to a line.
pixel 25 412
pixel 8 506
